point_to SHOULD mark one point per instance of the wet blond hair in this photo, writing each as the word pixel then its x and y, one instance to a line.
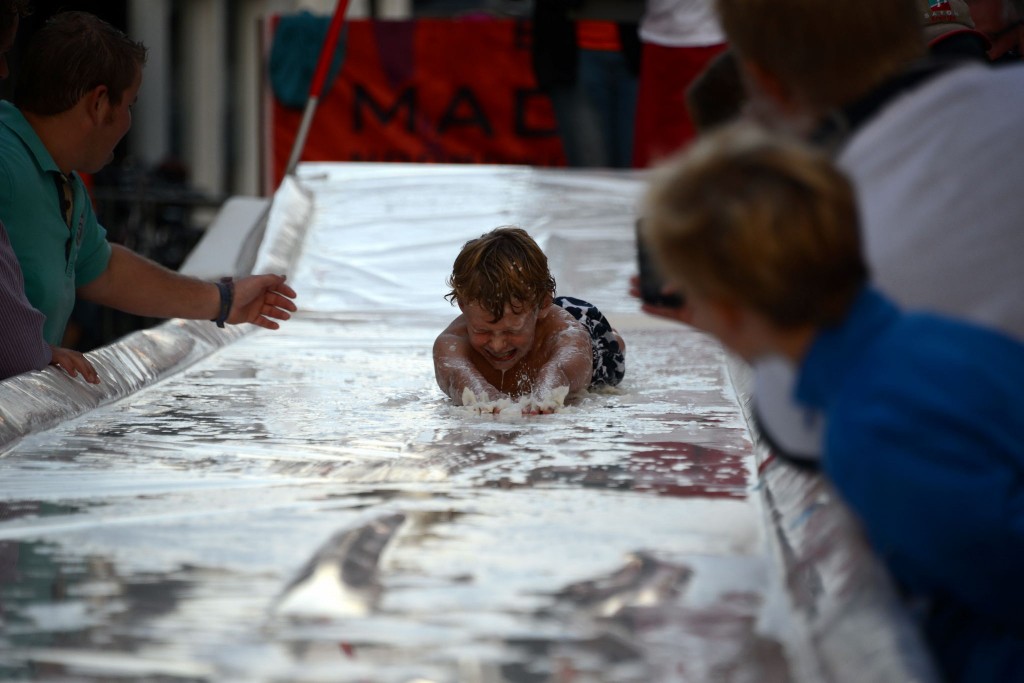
pixel 504 267
pixel 828 52
pixel 759 220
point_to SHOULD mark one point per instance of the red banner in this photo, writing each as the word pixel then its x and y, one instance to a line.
pixel 452 91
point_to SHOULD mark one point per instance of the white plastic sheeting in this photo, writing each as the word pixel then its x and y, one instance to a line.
pixel 305 505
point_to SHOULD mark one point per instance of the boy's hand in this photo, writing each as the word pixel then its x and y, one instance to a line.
pixel 546 404
pixel 532 409
pixel 485 404
pixel 72 363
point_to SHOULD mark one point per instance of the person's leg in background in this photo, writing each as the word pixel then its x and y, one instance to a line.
pixel 579 126
pixel 555 58
pixel 611 89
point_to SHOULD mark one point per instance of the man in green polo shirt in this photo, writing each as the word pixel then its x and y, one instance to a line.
pixel 78 80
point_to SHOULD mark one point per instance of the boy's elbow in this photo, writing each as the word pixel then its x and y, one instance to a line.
pixel 445 379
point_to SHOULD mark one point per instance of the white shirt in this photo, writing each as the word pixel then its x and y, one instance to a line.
pixel 681 23
pixel 940 177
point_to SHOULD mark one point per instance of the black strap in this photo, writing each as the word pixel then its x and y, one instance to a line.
pixel 806 463
pixel 226 288
pixel 840 124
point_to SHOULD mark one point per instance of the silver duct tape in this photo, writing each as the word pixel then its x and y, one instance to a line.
pixel 38 400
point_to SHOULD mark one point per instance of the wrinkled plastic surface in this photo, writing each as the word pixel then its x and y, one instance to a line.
pixel 306 505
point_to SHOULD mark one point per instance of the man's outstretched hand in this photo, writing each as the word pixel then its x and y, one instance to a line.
pixel 262 300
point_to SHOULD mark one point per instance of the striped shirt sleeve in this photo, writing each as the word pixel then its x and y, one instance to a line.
pixel 21 325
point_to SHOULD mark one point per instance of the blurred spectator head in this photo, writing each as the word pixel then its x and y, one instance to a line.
pixel 761 221
pixel 821 55
pixel 994 16
pixel 944 16
pixel 716 96
pixel 1003 22
pixel 949 29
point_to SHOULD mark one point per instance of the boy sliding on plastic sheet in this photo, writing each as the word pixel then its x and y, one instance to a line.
pixel 516 341
pixel 924 414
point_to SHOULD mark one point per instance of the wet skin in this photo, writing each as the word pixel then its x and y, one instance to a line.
pixel 509 353
pixel 515 355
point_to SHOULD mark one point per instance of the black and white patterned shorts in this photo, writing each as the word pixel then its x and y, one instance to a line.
pixel 609 360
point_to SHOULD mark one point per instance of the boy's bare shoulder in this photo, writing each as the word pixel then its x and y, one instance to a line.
pixel 452 338
pixel 456 327
pixel 561 328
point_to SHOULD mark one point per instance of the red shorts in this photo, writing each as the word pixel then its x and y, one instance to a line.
pixel 663 123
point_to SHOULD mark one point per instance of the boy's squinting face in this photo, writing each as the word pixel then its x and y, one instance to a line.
pixel 503 343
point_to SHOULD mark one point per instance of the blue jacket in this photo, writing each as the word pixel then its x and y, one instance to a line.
pixel 925 441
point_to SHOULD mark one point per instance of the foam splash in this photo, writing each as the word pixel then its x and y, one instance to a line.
pixel 528 404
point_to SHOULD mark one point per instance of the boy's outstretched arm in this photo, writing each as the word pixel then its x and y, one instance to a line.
pixel 454 369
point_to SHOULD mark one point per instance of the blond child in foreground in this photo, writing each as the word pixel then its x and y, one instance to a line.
pixel 516 340
pixel 923 433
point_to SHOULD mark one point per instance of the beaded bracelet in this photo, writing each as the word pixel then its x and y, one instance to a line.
pixel 226 287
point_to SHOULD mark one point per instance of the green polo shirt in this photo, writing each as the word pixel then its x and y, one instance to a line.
pixel 54 258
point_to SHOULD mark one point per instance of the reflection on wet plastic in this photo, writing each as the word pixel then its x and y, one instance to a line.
pixel 642 581
pixel 341 578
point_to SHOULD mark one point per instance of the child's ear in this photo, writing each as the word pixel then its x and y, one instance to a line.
pixel 741 329
pixel 545 307
pixel 733 319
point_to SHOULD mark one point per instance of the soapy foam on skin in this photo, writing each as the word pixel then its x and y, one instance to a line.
pixel 552 402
